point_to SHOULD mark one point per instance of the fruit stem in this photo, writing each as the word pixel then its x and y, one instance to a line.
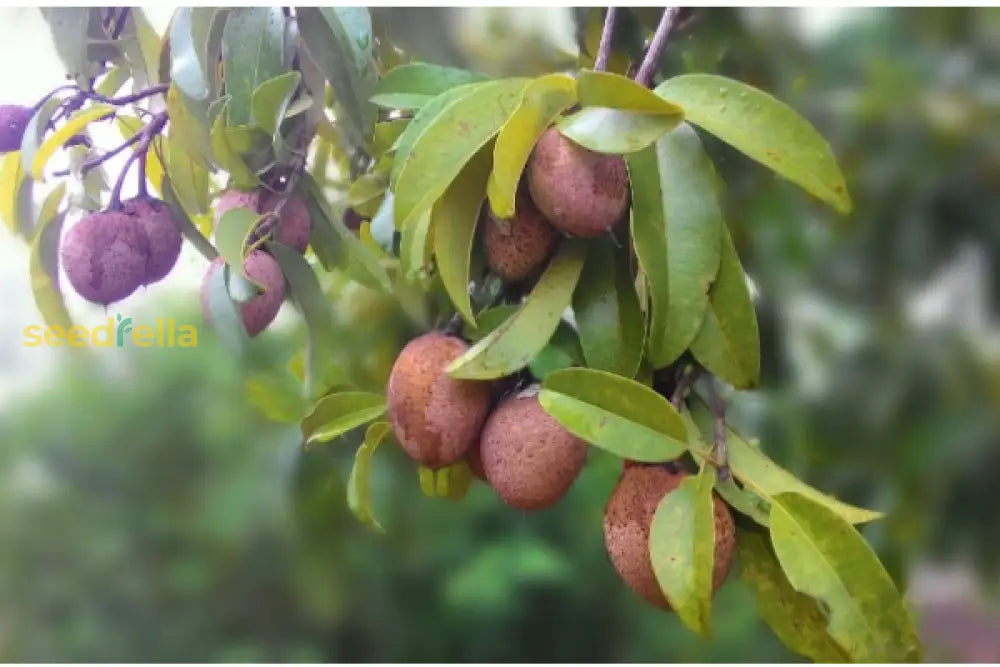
pixel 683 385
pixel 604 50
pixel 101 159
pixel 720 454
pixel 651 62
pixel 50 94
pixel 142 173
pixel 146 138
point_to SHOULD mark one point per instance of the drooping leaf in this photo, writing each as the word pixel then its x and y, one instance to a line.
pixel 366 193
pixel 277 395
pixel 763 128
pixel 795 618
pixel 421 121
pixel 454 220
pixel 73 126
pixel 15 195
pixel 253 50
pixel 306 293
pixel 34 133
pixel 68 26
pixel 619 415
pixel 413 85
pixel 339 41
pixel 449 142
pixel 606 130
pixel 271 98
pixel 728 342
pixel 607 312
pixel 359 485
pixel 188 128
pixel 765 478
pixel 415 249
pixel 195 43
pixel 682 549
pixel 824 557
pixel 183 220
pixel 243 177
pixel 607 89
pixel 541 103
pixel 189 178
pixel 512 345
pixel 113 81
pixel 223 313
pixel 231 236
pixel 487 321
pixel 43 265
pixel 677 228
pixel 386 135
pixel 336 414
pixel 141 45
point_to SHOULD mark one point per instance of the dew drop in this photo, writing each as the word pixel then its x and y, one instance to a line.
pixel 723 92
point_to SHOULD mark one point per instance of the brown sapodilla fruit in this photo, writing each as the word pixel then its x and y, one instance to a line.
pixel 435 417
pixel 293 224
pixel 260 310
pixel 529 459
pixel 628 517
pixel 104 256
pixel 582 193
pixel 13 121
pixel 517 247
pixel 155 218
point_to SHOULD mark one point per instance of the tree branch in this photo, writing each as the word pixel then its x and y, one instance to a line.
pixel 604 50
pixel 101 159
pixel 651 62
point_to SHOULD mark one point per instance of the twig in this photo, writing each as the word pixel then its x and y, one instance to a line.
pixel 683 385
pixel 651 62
pixel 101 159
pixel 720 453
pixel 147 134
pixel 50 94
pixel 120 23
pixel 604 50
pixel 128 99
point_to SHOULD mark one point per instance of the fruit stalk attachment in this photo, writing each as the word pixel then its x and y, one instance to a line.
pixel 669 20
pixel 604 50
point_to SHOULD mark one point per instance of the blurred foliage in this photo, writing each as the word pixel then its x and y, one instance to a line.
pixel 149 513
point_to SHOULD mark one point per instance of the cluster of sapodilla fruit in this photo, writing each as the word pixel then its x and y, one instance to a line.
pixel 506 437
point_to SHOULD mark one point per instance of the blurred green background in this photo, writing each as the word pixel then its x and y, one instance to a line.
pixel 149 512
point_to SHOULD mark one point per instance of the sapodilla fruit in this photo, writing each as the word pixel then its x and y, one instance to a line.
pixel 104 256
pixel 13 121
pixel 582 193
pixel 293 225
pixel 517 247
pixel 529 459
pixel 260 310
pixel 155 218
pixel 628 517
pixel 435 417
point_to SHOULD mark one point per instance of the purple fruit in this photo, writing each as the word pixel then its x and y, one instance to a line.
pixel 261 310
pixel 13 121
pixel 157 221
pixel 105 256
pixel 294 225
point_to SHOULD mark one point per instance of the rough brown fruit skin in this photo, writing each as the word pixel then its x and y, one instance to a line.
pixel 582 193
pixel 155 218
pixel 628 517
pixel 435 417
pixel 13 121
pixel 529 459
pixel 104 256
pixel 517 247
pixel 261 310
pixel 294 225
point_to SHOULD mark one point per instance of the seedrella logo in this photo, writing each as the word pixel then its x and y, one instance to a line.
pixel 116 332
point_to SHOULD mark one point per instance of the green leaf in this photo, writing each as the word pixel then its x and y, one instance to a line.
pixel 386 135
pixel 763 128
pixel 606 89
pixel 414 85
pixel 619 415
pixel 231 237
pixel 415 249
pixel 682 549
pixel 487 321
pixel 728 342
pixel 767 479
pixel 795 618
pixel 195 43
pixel 34 133
pixel 449 142
pixel 141 45
pixel 308 296
pixel 606 130
pixel 113 81
pixel 336 414
pixel 359 485
pixel 73 126
pixel 452 482
pixel 541 103
pixel 183 220
pixel 223 313
pixel 15 195
pixel 253 49
pixel 43 264
pixel 242 176
pixel 512 345
pixel 454 220
pixel 68 26
pixel 607 312
pixel 677 228
pixel 190 179
pixel 339 41
pixel 561 352
pixel 188 128
pixel 271 98
pixel 278 396
pixel 824 557
pixel 366 193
